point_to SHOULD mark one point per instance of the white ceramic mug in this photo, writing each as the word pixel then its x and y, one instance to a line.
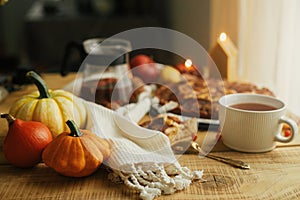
pixel 253 130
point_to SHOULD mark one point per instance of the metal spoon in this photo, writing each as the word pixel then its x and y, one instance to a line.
pixel 235 163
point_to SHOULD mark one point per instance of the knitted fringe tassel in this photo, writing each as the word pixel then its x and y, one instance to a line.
pixel 156 180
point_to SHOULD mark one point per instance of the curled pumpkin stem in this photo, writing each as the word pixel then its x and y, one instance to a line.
pixel 40 84
pixel 10 119
pixel 75 132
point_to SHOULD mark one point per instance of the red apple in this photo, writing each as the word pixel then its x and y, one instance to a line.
pixel 140 60
pixel 144 67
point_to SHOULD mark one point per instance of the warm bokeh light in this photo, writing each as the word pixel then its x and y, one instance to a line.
pixel 188 63
pixel 2 2
pixel 223 36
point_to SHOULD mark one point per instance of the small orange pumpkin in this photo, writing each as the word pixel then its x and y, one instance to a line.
pixel 25 141
pixel 76 154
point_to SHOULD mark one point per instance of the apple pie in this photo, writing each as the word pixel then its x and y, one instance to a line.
pixel 199 98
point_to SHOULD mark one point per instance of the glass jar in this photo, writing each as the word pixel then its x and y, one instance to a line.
pixel 106 76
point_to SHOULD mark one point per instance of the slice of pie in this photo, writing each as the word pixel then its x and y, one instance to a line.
pixel 173 127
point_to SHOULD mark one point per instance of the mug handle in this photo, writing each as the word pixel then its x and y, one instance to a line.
pixel 68 52
pixel 294 130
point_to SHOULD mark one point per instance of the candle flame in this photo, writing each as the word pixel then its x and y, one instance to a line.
pixel 223 37
pixel 188 63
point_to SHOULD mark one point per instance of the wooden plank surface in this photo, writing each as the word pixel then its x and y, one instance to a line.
pixel 273 175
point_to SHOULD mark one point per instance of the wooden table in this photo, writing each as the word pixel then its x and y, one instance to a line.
pixel 273 175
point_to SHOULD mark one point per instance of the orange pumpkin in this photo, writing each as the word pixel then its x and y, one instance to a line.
pixel 76 154
pixel 25 141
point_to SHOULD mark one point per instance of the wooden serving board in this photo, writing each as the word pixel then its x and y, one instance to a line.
pixel 273 175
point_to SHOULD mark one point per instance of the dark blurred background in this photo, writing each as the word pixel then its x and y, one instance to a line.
pixel 34 33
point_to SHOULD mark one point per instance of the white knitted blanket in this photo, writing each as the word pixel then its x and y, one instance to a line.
pixel 141 158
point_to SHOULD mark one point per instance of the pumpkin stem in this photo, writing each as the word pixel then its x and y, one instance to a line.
pixel 10 119
pixel 40 84
pixel 75 132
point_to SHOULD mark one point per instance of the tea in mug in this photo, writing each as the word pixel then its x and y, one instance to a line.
pixel 253 107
